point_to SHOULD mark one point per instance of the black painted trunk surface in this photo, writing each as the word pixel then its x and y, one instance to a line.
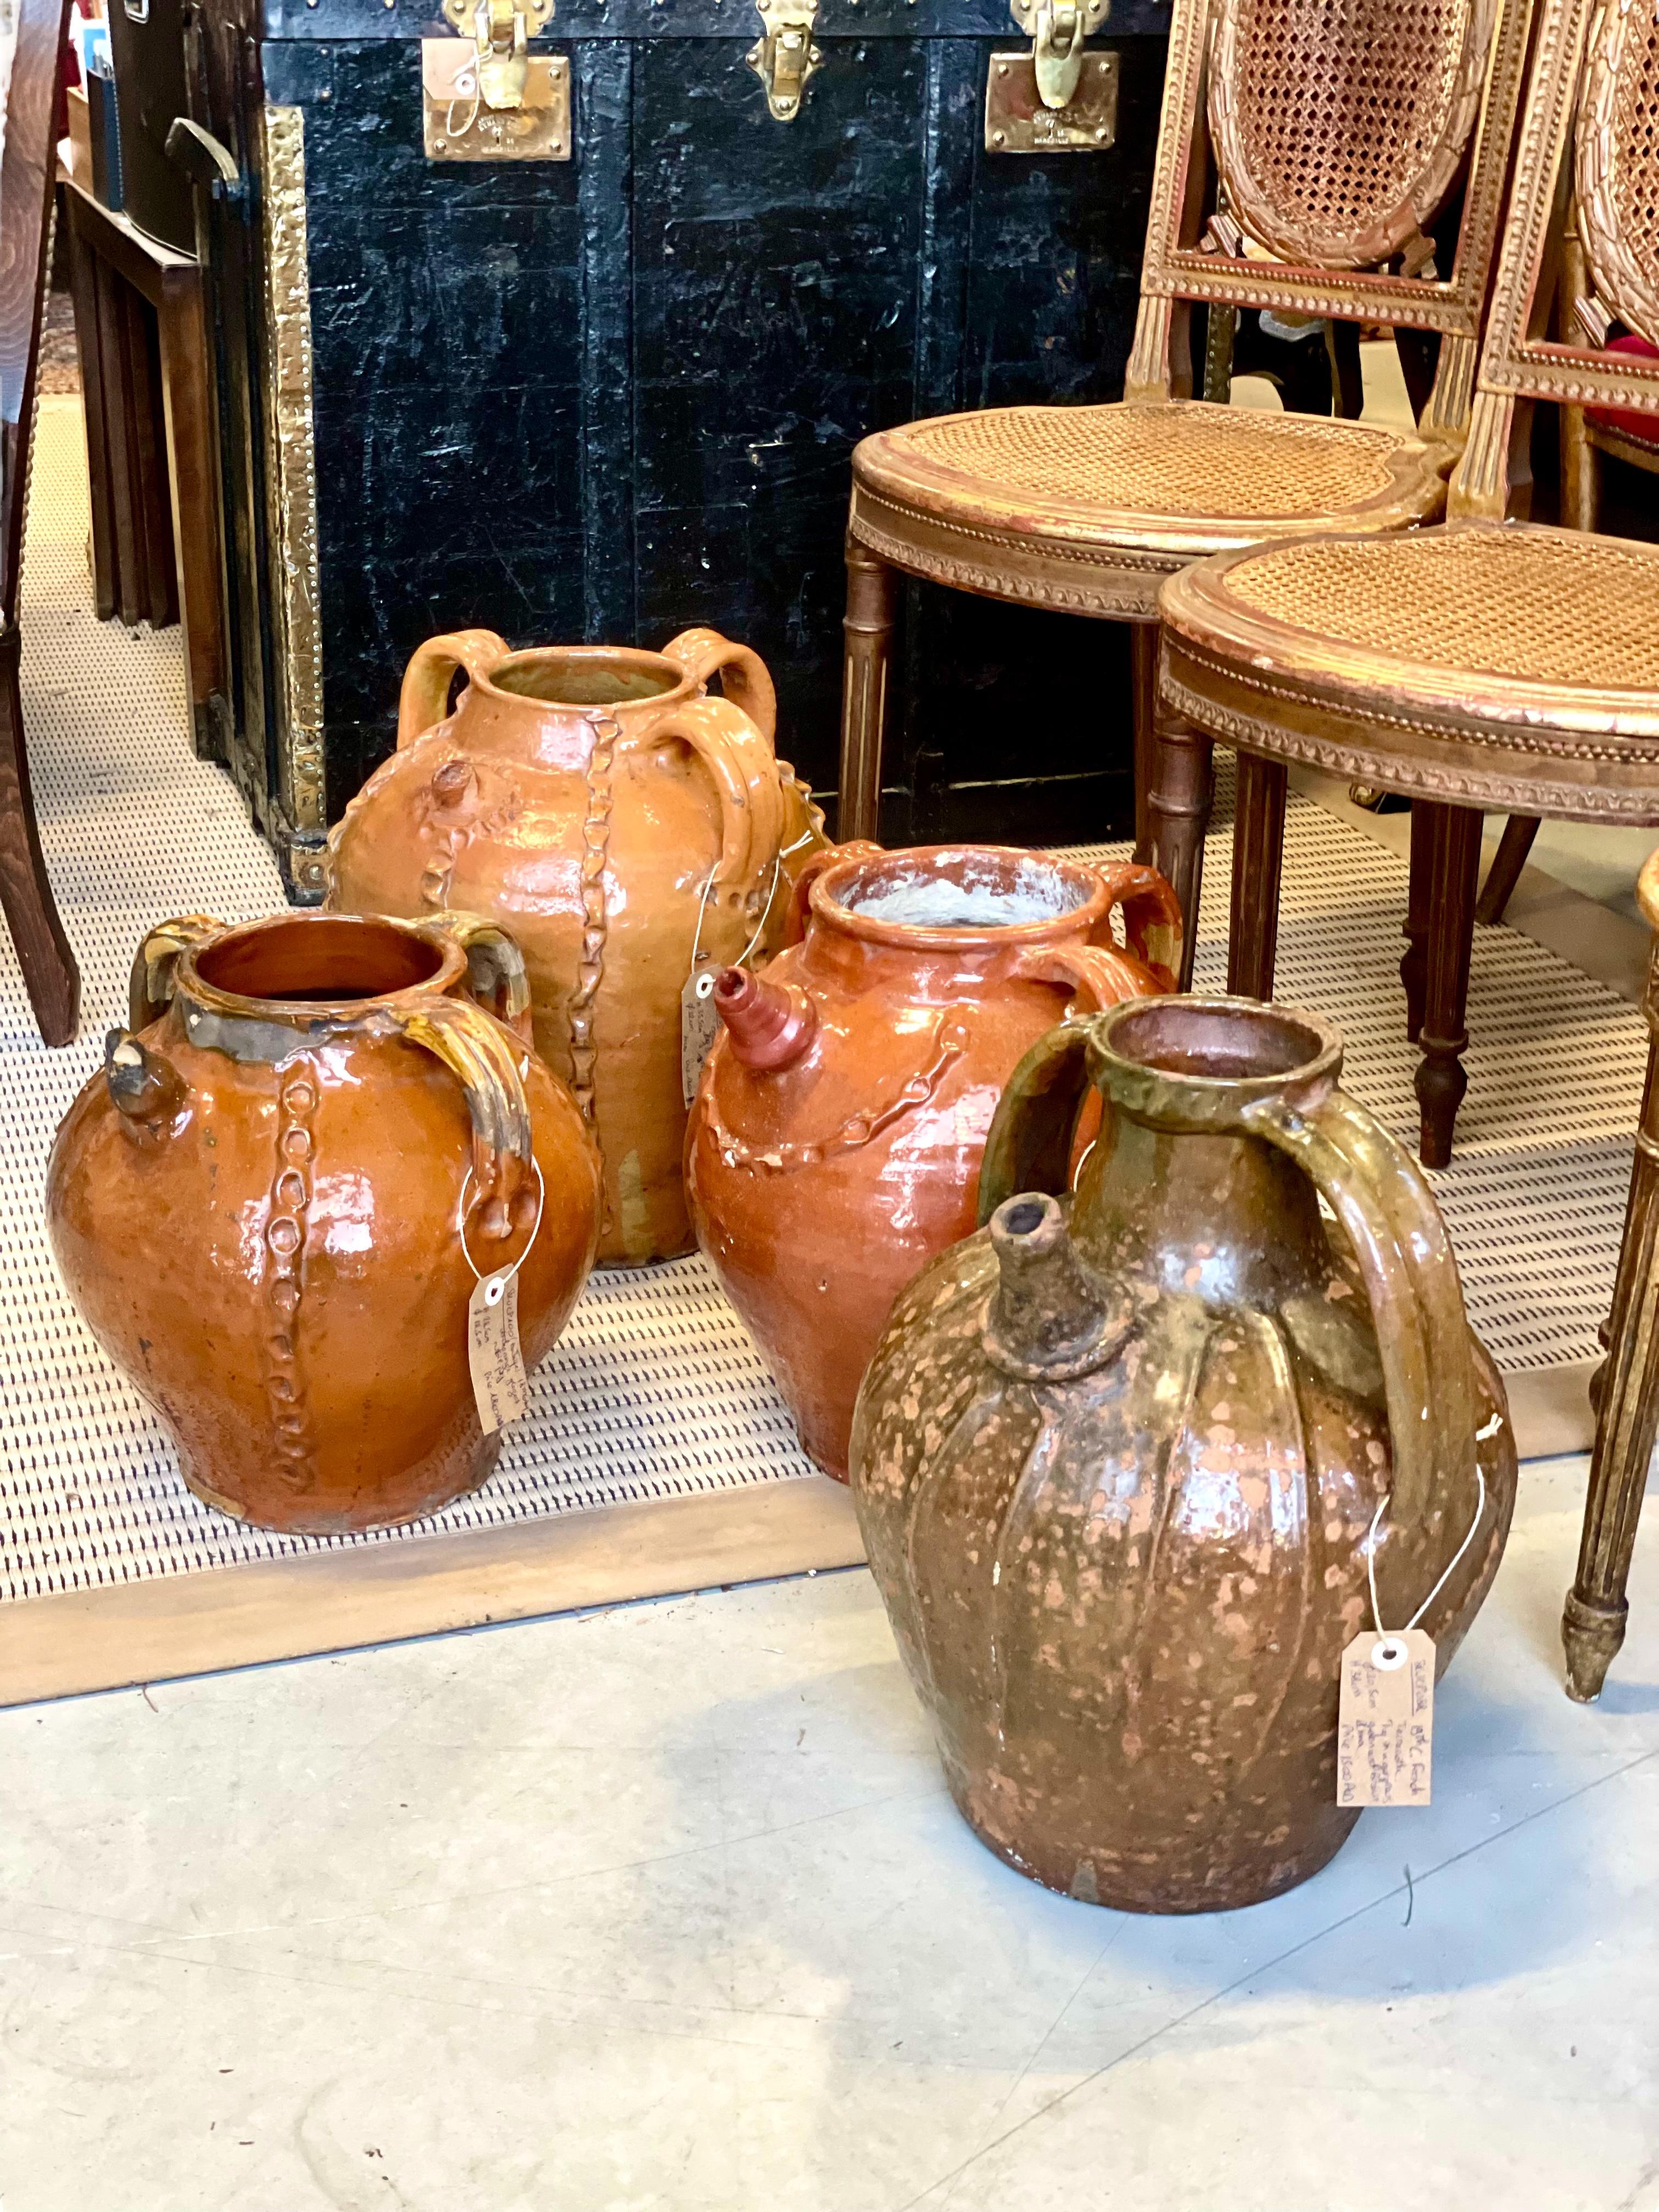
pixel 607 398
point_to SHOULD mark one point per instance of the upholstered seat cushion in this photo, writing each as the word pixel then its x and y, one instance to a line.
pixel 1503 664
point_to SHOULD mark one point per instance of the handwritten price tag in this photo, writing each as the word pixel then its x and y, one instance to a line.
pixel 1385 1719
pixel 494 1353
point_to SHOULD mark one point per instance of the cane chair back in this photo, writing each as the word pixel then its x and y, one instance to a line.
pixel 1332 136
pixel 1591 129
pixel 1339 130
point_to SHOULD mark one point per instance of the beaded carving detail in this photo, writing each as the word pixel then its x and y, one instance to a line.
pixel 284 1247
pixel 596 840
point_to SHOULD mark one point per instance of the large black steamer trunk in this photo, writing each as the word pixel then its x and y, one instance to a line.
pixel 607 396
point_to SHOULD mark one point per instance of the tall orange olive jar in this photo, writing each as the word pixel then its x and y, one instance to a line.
pixel 273 1205
pixel 617 819
pixel 835 1146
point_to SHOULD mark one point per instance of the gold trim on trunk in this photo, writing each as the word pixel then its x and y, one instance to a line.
pixel 291 480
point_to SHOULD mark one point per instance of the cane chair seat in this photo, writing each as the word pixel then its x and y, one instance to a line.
pixel 1089 508
pixel 1485 664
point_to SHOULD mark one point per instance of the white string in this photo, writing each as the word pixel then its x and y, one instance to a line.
pixel 507 1273
pixel 1456 1558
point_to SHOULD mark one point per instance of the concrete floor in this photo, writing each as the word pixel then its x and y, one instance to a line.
pixel 665 1907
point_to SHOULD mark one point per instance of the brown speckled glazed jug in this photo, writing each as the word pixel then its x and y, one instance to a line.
pixel 260 1205
pixel 1117 1482
pixel 835 1144
pixel 598 805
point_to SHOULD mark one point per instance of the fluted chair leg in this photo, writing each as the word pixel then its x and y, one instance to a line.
pixel 1507 863
pixel 1258 862
pixel 1593 1623
pixel 871 604
pixel 50 975
pixel 1178 814
pixel 1414 960
pixel 1441 1078
pixel 1143 675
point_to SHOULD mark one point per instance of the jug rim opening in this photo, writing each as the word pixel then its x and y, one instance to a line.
pixel 656 677
pixel 862 896
pixel 308 966
pixel 1192 1049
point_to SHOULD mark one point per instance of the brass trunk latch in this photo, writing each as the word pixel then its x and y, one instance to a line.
pixel 1057 99
pixel 485 96
pixel 784 57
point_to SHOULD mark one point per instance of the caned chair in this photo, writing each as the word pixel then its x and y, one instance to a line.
pixel 1303 153
pixel 26 167
pixel 1484 663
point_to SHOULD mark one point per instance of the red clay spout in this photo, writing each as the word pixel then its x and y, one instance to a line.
pixel 771 1025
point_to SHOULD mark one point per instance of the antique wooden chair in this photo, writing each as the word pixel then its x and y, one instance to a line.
pixel 1325 140
pixel 1481 663
pixel 27 167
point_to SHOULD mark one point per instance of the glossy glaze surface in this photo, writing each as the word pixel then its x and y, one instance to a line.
pixel 257 1207
pixel 1117 1483
pixel 835 1145
pixel 587 799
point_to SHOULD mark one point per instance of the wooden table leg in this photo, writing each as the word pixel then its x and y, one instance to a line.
pixel 1258 863
pixel 872 603
pixel 193 477
pixel 129 569
pixel 1593 1623
pixel 1414 960
pixel 1143 685
pixel 1178 814
pixel 84 287
pixel 152 515
pixel 50 974
pixel 1441 1081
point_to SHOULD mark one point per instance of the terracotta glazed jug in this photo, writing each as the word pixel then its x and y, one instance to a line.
pixel 835 1144
pixel 614 818
pixel 1118 1480
pixel 264 1205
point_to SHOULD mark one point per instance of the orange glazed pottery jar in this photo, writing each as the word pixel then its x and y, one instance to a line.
pixel 835 1146
pixel 260 1205
pixel 599 805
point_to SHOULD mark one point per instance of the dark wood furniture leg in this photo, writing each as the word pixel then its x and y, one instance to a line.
pixel 1143 687
pixel 1414 960
pixel 50 975
pixel 84 284
pixel 1258 862
pixel 872 603
pixel 1177 814
pixel 130 598
pixel 1507 863
pixel 1441 1079
pixel 152 516
pixel 1593 1622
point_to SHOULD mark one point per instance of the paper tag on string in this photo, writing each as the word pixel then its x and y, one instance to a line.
pixel 1385 1719
pixel 493 1350
pixel 699 1023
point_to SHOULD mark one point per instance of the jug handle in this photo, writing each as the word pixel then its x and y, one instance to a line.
pixel 484 1058
pixel 1378 1195
pixel 744 678
pixel 745 774
pixel 496 972
pixel 1030 1139
pixel 1104 974
pixel 149 992
pixel 855 848
pixel 424 699
pixel 1151 918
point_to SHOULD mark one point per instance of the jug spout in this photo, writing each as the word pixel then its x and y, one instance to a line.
pixel 1049 1320
pixel 771 1025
